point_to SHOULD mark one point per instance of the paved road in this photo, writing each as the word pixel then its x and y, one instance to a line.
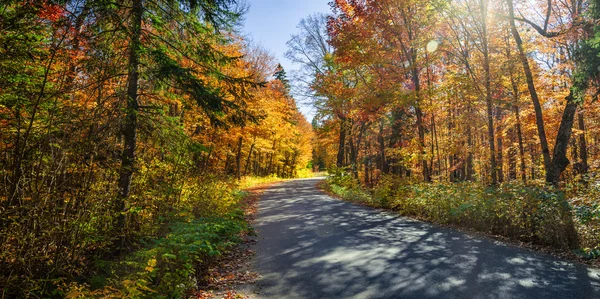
pixel 313 246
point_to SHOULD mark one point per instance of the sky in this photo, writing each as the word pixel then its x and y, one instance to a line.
pixel 270 23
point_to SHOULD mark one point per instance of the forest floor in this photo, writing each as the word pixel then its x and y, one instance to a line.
pixel 311 245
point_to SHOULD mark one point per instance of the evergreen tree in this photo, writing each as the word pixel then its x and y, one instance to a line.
pixel 163 53
pixel 281 75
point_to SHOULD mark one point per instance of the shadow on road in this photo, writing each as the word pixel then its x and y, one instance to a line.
pixel 313 246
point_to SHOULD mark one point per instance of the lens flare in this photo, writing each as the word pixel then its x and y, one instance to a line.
pixel 432 45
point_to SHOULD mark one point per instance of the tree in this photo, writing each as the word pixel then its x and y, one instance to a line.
pixel 557 163
pixel 217 14
pixel 311 50
pixel 394 33
pixel 281 75
pixel 117 118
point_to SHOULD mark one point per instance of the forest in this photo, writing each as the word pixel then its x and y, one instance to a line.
pixel 470 113
pixel 126 128
pixel 130 129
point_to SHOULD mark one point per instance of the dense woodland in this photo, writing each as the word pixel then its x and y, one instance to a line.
pixel 456 90
pixel 120 118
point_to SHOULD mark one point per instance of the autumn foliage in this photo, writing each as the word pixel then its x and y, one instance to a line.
pixel 121 123
pixel 437 95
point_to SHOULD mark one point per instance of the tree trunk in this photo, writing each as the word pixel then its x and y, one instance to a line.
pixel 488 91
pixel 238 159
pixel 130 123
pixel 559 157
pixel 470 169
pixel 355 148
pixel 247 167
pixel 521 147
pixel 499 141
pixel 420 125
pixel 512 157
pixel 437 150
pixel 228 162
pixel 382 160
pixel 367 163
pixel 532 155
pixel 342 144
pixel 575 156
pixel 421 131
pixel 582 143
pixel 270 168
pixel 353 154
pixel 518 129
pixel 539 120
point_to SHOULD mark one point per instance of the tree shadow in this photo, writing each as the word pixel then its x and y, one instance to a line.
pixel 313 246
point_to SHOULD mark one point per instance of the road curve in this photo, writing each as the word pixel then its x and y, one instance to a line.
pixel 311 245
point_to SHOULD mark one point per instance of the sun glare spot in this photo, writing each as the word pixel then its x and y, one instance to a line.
pixel 432 45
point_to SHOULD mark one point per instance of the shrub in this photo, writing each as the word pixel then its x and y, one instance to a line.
pixel 169 266
pixel 526 213
pixel 342 184
pixel 586 205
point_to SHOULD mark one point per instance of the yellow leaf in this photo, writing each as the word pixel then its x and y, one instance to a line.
pixel 151 265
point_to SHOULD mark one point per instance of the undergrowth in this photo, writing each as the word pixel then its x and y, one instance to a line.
pixel 535 214
pixel 175 232
pixel 207 222
pixel 167 267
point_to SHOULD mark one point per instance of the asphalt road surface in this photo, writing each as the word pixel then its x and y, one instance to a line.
pixel 313 246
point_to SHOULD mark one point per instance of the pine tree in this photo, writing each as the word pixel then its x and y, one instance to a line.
pixel 281 75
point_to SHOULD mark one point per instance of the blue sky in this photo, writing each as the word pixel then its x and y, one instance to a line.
pixel 270 23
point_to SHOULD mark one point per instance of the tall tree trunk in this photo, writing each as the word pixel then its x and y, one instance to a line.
pixel 421 131
pixel 521 147
pixel 130 123
pixel 512 157
pixel 488 90
pixel 382 159
pixel 575 156
pixel 432 157
pixel 367 163
pixel 353 156
pixel 515 89
pixel 342 144
pixel 395 140
pixel 434 139
pixel 437 149
pixel 247 167
pixel 228 162
pixel 238 159
pixel 270 168
pixel 257 163
pixel 470 169
pixel 355 148
pixel 499 142
pixel 582 143
pixel 539 119
pixel 420 124
pixel 532 155
pixel 559 156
